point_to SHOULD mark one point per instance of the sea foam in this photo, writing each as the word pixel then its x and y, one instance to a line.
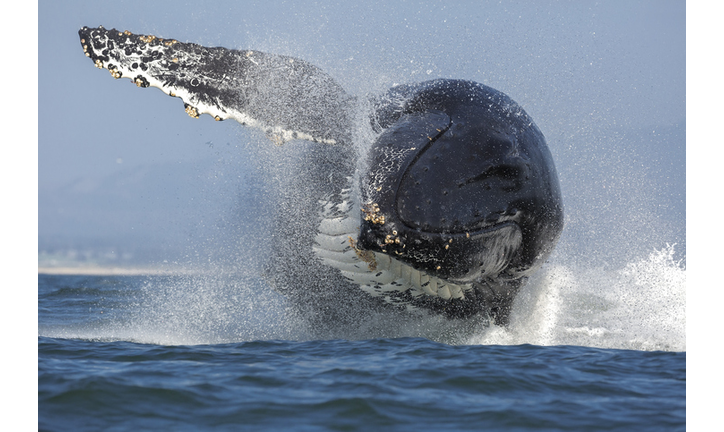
pixel 640 306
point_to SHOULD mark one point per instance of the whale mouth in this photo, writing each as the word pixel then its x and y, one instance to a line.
pixel 378 274
pixel 463 257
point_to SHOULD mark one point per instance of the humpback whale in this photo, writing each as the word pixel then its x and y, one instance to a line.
pixel 453 204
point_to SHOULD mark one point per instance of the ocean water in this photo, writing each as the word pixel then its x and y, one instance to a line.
pixel 587 349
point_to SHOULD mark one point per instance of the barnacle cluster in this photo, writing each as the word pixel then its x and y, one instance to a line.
pixel 115 72
pixel 85 48
pixel 192 111
pixel 372 214
pixel 141 81
pixel 147 39
pixel 392 238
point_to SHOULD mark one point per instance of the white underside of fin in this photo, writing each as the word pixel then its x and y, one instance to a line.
pixel 276 134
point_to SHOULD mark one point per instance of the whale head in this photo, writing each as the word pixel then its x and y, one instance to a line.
pixel 462 186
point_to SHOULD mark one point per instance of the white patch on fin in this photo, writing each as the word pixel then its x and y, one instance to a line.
pixel 215 81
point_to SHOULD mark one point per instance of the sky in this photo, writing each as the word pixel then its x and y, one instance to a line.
pixel 126 177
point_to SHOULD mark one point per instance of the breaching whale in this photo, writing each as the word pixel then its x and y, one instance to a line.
pixel 454 204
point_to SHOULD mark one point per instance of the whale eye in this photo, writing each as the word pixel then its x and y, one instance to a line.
pixel 195 82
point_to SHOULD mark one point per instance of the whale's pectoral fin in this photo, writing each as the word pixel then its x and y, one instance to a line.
pixel 286 97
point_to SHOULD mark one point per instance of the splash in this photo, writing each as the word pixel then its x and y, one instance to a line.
pixel 189 309
pixel 640 306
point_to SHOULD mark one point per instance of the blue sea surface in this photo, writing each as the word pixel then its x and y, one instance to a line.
pixel 98 369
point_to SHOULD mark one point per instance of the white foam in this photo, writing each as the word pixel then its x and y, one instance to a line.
pixel 641 306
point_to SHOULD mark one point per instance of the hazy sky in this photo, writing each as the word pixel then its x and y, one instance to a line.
pixel 124 167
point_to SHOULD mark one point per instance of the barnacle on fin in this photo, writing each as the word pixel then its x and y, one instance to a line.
pixel 141 81
pixel 115 73
pixel 191 111
pixel 147 39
